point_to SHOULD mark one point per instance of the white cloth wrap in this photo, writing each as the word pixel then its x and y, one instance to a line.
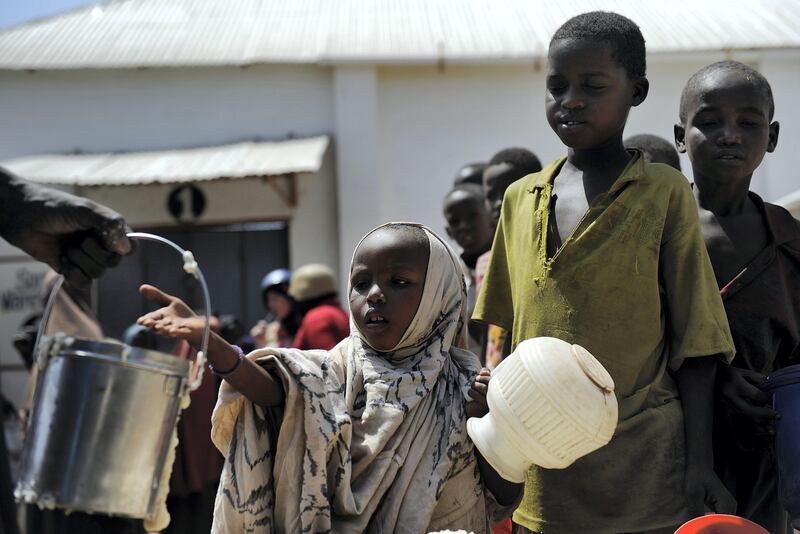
pixel 367 441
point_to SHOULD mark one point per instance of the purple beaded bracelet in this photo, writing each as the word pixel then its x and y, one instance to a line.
pixel 224 374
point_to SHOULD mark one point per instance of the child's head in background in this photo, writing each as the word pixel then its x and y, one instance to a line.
pixel 505 168
pixel 468 219
pixel 655 149
pixel 596 73
pixel 726 124
pixel 471 173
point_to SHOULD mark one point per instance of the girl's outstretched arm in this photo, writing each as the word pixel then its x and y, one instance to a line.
pixel 176 319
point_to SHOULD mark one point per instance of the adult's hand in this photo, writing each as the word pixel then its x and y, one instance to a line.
pixel 75 236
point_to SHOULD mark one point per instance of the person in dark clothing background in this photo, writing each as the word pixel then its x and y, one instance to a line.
pixel 726 127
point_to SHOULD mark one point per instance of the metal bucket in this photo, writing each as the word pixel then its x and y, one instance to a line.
pixel 103 419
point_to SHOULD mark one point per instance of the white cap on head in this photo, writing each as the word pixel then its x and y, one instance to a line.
pixel 312 281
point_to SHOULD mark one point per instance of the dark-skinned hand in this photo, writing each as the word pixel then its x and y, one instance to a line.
pixel 174 319
pixel 739 391
pixel 704 490
pixel 478 407
pixel 73 235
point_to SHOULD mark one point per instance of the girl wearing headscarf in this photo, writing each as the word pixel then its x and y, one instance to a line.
pixel 369 436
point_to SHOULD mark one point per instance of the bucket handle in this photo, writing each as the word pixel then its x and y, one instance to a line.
pixel 190 266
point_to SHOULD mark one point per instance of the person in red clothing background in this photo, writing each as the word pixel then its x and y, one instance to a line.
pixel 324 323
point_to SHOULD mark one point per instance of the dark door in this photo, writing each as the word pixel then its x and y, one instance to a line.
pixel 233 259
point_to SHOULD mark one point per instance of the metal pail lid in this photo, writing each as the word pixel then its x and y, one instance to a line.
pixel 118 353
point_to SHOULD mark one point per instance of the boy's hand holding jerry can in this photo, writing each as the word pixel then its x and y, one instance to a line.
pixel 739 390
pixel 478 406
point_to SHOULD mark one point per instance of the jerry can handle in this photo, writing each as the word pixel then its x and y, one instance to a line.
pixel 190 266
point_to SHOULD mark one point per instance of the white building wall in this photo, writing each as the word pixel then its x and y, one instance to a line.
pixel 96 111
pixel 362 203
pixel 431 122
pixel 658 114
pixel 782 69
pixel 103 110
pixel 314 235
pixel 399 133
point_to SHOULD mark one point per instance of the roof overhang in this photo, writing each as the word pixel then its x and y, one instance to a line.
pixel 232 161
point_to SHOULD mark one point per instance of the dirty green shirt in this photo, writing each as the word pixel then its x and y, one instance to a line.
pixel 634 285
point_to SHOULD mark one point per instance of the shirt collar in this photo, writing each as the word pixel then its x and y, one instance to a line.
pixel 632 172
pixel 783 228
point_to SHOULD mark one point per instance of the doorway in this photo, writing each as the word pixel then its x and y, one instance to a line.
pixel 233 259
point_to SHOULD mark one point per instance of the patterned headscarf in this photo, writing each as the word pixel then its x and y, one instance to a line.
pixel 442 312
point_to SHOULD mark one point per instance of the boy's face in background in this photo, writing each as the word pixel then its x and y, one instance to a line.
pixel 588 93
pixel 727 129
pixel 468 222
pixel 496 179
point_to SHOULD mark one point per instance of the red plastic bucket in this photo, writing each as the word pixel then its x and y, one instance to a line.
pixel 720 524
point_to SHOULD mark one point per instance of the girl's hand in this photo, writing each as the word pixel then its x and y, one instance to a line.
pixel 478 406
pixel 704 490
pixel 174 319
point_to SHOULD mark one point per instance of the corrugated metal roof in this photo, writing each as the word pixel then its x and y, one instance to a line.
pixel 159 33
pixel 238 160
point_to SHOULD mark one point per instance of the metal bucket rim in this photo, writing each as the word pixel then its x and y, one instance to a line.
pixel 195 371
pixel 114 351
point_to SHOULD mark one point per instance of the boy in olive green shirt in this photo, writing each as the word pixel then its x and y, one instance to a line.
pixel 604 250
